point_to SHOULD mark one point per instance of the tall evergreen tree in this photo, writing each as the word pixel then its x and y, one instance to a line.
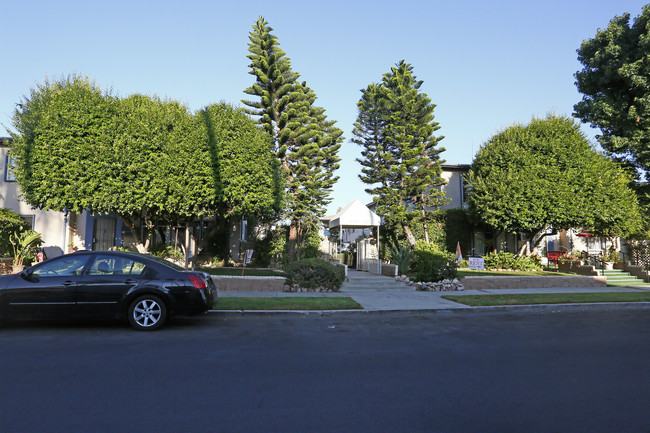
pixel 368 132
pixel 401 157
pixel 305 142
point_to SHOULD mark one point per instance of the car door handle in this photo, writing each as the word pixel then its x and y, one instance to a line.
pixel 130 281
pixel 69 283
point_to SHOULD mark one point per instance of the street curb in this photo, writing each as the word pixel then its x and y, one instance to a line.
pixel 541 308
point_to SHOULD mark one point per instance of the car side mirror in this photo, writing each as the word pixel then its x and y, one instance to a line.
pixel 25 275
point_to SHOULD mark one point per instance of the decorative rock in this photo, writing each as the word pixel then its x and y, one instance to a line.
pixel 298 289
pixel 440 286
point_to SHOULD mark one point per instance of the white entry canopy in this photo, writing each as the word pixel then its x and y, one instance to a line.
pixel 355 215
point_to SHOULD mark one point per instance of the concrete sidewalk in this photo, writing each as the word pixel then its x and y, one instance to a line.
pixel 379 293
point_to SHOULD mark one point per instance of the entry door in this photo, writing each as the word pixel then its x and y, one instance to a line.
pixel 103 234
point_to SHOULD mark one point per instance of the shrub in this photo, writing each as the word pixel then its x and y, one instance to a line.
pixel 10 222
pixel 314 274
pixel 432 264
pixel 505 260
pixel 308 248
pixel 402 256
pixel 25 245
pixel 269 249
pixel 499 260
pixel 168 252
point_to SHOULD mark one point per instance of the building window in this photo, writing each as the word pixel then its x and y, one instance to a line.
pixel 9 169
pixel 29 220
pixel 463 190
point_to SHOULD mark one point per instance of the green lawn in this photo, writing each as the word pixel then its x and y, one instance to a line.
pixel 237 272
pixel 287 303
pixel 547 298
pixel 462 273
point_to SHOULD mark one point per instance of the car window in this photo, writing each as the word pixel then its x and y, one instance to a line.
pixel 116 265
pixel 166 263
pixel 63 267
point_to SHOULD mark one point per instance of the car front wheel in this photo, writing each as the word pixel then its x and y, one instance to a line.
pixel 148 312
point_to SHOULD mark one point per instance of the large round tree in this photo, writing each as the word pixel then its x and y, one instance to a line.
pixel 615 84
pixel 148 161
pixel 545 175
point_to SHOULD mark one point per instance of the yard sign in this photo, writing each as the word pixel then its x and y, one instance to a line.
pixel 477 263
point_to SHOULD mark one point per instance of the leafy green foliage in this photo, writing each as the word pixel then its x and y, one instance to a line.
pixel 615 85
pixel 402 256
pixel 458 227
pixel 10 222
pixel 25 245
pixel 276 87
pixel 309 245
pixel 314 273
pixel 237 163
pixel 147 160
pixel 431 264
pixel 545 174
pixel 271 247
pixel 158 170
pixel 168 252
pixel 400 156
pixel 506 260
pixel 63 127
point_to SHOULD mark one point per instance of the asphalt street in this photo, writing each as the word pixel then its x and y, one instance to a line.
pixel 399 372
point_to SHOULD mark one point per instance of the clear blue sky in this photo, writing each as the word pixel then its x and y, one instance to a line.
pixel 486 65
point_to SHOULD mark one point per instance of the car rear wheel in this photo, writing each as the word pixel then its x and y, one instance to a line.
pixel 148 312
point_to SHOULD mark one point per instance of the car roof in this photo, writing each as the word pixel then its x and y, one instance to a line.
pixel 134 255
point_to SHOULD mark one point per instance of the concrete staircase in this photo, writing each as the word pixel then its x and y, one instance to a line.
pixel 620 278
pixel 360 280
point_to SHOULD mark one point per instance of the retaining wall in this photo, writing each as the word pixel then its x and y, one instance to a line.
pixel 575 267
pixel 248 284
pixel 531 282
pixel 389 270
pixel 638 271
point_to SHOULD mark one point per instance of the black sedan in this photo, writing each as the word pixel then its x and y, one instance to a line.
pixel 145 289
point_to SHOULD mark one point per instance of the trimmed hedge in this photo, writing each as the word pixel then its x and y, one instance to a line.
pixel 314 274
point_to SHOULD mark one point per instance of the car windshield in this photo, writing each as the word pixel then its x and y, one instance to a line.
pixel 63 267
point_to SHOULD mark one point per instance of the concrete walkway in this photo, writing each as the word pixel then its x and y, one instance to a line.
pixel 381 293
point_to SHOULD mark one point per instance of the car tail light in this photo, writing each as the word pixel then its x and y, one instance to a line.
pixel 198 283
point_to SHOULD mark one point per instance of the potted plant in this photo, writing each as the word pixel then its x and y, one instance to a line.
pixel 609 258
pixel 24 245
